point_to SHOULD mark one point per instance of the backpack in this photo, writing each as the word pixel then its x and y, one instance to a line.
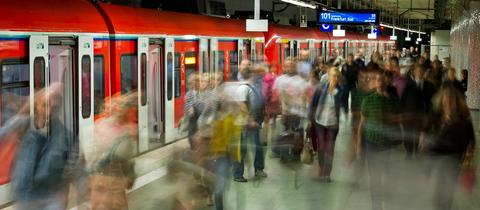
pixel 255 103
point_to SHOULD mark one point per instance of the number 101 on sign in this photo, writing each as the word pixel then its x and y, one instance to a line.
pixel 325 16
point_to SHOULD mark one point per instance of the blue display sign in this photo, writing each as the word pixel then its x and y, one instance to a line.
pixel 346 17
pixel 326 27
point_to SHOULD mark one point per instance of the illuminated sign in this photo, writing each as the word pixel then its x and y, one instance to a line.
pixel 348 17
pixel 190 60
pixel 326 27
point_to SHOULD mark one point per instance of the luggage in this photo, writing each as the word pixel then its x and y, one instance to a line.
pixel 288 145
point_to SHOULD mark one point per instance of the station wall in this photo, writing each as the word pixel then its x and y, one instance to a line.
pixel 440 44
pixel 465 42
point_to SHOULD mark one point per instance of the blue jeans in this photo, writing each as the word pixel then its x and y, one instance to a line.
pixel 220 165
pixel 259 163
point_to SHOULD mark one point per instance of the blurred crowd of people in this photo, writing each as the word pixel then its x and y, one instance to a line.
pixel 398 99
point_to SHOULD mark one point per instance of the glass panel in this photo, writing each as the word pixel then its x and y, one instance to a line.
pixel 287 52
pixel 143 82
pixel 190 67
pixel 214 63
pixel 169 75
pixel 233 65
pixel 205 62
pixel 279 53
pixel 221 62
pixel 39 73
pixel 39 83
pixel 98 84
pixel 15 89
pixel 13 99
pixel 86 82
pixel 177 75
pixel 12 73
pixel 128 73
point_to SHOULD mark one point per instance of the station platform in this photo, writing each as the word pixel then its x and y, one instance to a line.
pixel 409 188
pixel 293 185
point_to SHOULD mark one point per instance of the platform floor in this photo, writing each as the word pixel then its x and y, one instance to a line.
pixel 410 186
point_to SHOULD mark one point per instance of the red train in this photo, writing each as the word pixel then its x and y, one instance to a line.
pixel 98 50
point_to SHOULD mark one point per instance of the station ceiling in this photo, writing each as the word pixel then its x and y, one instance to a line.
pixel 413 9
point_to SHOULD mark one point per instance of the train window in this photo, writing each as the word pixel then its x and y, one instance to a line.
pixel 98 84
pixel 205 62
pixel 233 65
pixel 39 73
pixel 190 65
pixel 177 75
pixel 38 83
pixel 240 55
pixel 86 82
pixel 14 88
pixel 279 53
pixel 169 75
pixel 214 63
pixel 143 79
pixel 287 52
pixel 221 61
pixel 128 73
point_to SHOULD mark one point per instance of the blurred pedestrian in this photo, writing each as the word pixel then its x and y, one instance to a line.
pixel 377 125
pixel 416 105
pixel 250 104
pixel 448 145
pixel 452 79
pixel 191 114
pixel 350 73
pixel 303 65
pixel 324 115
pixel 40 178
pixel 109 182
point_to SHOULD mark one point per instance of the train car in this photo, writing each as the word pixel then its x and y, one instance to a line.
pixel 98 50
pixel 44 48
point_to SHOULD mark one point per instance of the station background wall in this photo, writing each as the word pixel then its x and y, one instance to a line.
pixel 465 52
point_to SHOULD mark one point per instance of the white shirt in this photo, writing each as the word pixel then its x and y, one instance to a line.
pixel 293 99
pixel 326 114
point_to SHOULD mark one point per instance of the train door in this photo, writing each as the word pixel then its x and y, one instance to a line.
pixel 228 59
pixel 74 107
pixel 294 49
pixel 213 55
pixel 241 51
pixel 142 65
pixel 318 51
pixel 311 50
pixel 168 99
pixel 60 71
pixel 190 57
pixel 203 61
pixel 156 94
pixel 260 51
pixel 85 88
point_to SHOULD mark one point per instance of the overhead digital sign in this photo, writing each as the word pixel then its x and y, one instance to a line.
pixel 348 17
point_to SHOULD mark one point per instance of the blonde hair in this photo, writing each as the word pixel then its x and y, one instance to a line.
pixel 457 106
pixel 334 71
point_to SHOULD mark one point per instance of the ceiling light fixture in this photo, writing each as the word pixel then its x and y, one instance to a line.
pixel 300 3
pixel 401 29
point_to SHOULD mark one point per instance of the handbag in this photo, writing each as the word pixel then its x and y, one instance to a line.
pixel 307 153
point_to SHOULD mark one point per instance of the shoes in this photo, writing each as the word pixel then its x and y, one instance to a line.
pixel 260 173
pixel 240 179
